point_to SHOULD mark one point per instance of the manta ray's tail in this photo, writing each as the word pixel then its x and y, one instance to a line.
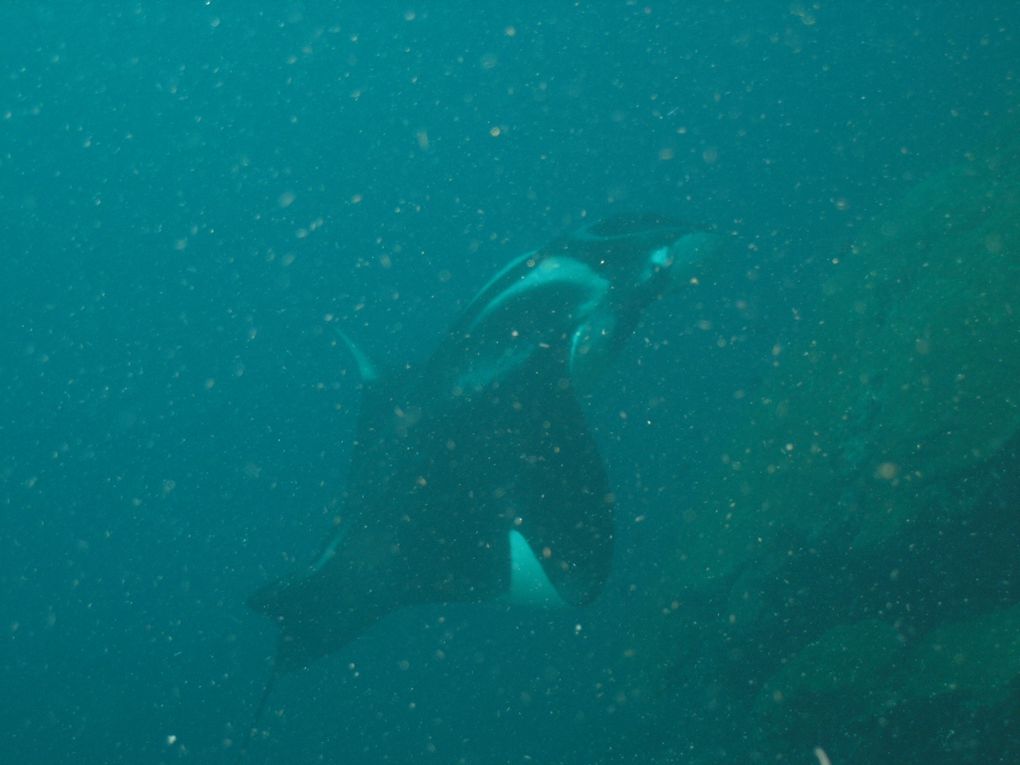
pixel 260 710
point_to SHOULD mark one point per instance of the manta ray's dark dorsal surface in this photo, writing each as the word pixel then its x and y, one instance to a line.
pixel 474 475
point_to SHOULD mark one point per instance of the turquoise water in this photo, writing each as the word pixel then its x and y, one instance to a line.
pixel 189 195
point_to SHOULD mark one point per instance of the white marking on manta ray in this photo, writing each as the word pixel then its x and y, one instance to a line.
pixel 661 258
pixel 366 368
pixel 501 273
pixel 586 339
pixel 693 249
pixel 529 584
pixel 553 271
pixel 330 550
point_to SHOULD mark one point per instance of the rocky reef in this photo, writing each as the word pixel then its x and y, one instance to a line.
pixel 849 576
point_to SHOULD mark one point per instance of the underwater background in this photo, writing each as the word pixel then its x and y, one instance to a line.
pixel 815 462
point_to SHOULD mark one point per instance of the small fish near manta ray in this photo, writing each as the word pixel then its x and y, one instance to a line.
pixel 474 476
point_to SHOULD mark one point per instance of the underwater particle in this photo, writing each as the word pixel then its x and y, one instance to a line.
pixel 887 471
pixel 823 758
pixel 994 244
pixel 286 199
pixel 495 131
pixel 808 19
pixel 171 740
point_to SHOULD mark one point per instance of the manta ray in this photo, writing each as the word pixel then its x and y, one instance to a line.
pixel 474 475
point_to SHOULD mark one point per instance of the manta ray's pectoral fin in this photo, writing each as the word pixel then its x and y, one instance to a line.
pixel 318 610
pixel 561 493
